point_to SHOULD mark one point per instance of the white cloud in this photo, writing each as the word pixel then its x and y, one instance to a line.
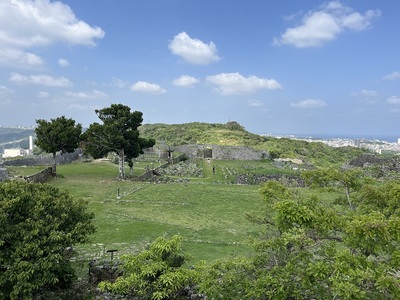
pixel 394 100
pixel 193 51
pixel 147 87
pixel 83 107
pixel 392 76
pixel 27 24
pixel 20 58
pixel 95 94
pixel 324 25
pixel 63 62
pixel 45 80
pixel 367 93
pixel 255 103
pixel 43 94
pixel 5 90
pixel 309 103
pixel 185 81
pixel 234 83
pixel 119 82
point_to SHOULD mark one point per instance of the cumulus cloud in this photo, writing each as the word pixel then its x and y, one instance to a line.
pixel 255 103
pixel 193 51
pixel 10 56
pixel 26 25
pixel 395 100
pixel 185 81
pixel 234 83
pixel 325 24
pixel 95 94
pixel 147 87
pixel 45 80
pixel 392 76
pixel 309 103
pixel 63 62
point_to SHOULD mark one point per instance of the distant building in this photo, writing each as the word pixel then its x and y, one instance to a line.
pixel 15 152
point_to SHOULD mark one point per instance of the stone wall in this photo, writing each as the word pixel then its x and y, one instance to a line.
pixel 3 174
pixel 41 176
pixel 44 160
pixel 256 179
pixel 150 173
pixel 221 152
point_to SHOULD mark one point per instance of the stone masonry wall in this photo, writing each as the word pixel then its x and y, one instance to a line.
pixel 41 176
pixel 3 174
pixel 44 160
pixel 221 152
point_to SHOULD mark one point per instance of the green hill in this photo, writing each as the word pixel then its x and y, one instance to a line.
pixel 233 134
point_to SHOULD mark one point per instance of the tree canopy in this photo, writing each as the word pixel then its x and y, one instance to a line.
pixel 37 225
pixel 155 273
pixel 118 132
pixel 60 134
pixel 317 249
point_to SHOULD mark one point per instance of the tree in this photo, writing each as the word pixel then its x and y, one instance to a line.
pixel 314 249
pixel 60 134
pixel 350 180
pixel 37 225
pixel 119 132
pixel 156 273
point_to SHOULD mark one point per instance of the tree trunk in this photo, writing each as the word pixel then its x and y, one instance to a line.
pixel 347 192
pixel 121 164
pixel 54 170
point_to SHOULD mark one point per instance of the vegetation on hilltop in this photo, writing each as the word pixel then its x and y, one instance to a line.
pixel 233 134
pixel 229 134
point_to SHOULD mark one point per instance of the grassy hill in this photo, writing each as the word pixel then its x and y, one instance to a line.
pixel 233 134
pixel 229 134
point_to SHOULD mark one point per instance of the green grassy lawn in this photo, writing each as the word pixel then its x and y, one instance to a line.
pixel 207 212
pixel 25 170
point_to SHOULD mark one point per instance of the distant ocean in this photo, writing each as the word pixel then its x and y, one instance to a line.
pixel 387 138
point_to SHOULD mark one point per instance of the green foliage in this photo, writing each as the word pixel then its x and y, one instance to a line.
pixel 350 180
pixel 229 134
pixel 233 134
pixel 156 273
pixel 37 224
pixel 316 250
pixel 60 134
pixel 119 133
pixel 232 125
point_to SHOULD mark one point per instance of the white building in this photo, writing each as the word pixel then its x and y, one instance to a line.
pixel 15 152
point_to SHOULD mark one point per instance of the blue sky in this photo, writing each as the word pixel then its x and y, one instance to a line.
pixel 278 66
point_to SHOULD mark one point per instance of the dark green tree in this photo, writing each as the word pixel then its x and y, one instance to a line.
pixel 37 225
pixel 60 134
pixel 119 133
